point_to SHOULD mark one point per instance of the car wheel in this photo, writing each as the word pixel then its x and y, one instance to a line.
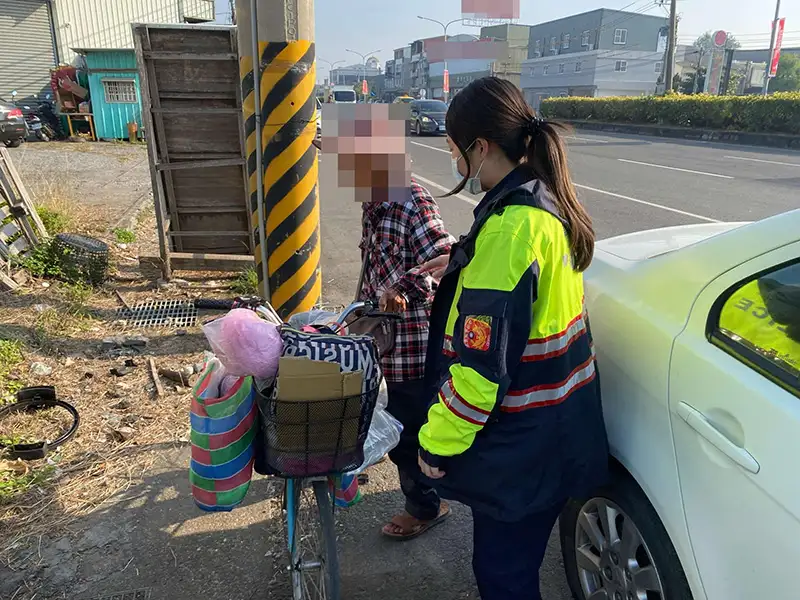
pixel 419 128
pixel 615 547
pixel 13 143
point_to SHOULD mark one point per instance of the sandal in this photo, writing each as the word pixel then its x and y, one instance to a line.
pixel 411 527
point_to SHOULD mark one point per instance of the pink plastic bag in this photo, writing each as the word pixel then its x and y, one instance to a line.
pixel 245 344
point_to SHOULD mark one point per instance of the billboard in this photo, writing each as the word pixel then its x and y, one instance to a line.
pixel 490 9
pixel 776 54
pixel 438 50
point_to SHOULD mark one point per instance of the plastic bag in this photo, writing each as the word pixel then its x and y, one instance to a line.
pixel 312 317
pixel 245 344
pixel 383 435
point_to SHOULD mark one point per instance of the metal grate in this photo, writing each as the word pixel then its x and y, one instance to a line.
pixel 160 313
pixel 140 594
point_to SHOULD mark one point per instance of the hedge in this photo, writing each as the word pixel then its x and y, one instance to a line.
pixel 777 113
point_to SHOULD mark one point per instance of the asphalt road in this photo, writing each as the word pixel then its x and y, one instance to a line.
pixel 628 184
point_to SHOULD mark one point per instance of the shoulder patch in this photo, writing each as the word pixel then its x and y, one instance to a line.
pixel 478 333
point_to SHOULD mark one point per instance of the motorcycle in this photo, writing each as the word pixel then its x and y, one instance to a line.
pixel 39 128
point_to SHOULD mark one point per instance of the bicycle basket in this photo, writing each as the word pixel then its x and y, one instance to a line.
pixel 315 438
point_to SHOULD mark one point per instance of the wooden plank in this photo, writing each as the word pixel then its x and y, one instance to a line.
pixel 183 38
pixel 174 110
pixel 209 133
pixel 6 283
pixel 209 233
pixel 185 261
pixel 210 210
pixel 200 164
pixel 198 95
pixel 243 153
pixel 152 152
pixel 202 155
pixel 161 138
pixel 24 195
pixel 193 56
pixel 209 77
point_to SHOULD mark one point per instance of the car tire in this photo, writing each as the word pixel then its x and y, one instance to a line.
pixel 419 128
pixel 653 564
pixel 13 143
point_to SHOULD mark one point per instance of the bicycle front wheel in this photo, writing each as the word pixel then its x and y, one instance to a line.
pixel 312 541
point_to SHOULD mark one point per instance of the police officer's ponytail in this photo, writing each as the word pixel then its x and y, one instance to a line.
pixel 495 110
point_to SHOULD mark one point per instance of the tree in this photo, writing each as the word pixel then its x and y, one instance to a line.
pixel 705 43
pixel 788 76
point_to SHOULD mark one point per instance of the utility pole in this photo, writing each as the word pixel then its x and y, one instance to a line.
pixel 363 64
pixel 772 45
pixel 669 67
pixel 233 11
pixel 278 73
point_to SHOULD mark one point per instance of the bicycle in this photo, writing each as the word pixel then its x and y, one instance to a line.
pixel 308 502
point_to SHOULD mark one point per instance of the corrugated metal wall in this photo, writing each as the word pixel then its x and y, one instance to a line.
pixel 26 48
pixel 111 119
pixel 107 23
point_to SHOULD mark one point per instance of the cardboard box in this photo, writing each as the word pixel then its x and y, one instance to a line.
pixel 318 407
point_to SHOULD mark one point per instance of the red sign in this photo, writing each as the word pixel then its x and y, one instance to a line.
pixel 720 37
pixel 490 9
pixel 364 87
pixel 776 54
pixel 446 84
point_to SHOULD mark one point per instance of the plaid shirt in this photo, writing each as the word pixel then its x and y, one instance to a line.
pixel 396 239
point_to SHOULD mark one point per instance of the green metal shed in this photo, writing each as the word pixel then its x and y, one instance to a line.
pixel 113 90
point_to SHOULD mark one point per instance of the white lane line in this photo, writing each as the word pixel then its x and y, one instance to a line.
pixel 652 204
pixel 432 147
pixel 758 160
pixel 441 188
pixel 583 139
pixel 636 162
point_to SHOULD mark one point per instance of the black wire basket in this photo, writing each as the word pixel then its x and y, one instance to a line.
pixel 81 258
pixel 314 438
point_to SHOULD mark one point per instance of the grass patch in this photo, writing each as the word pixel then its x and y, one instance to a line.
pixel 16 478
pixel 124 236
pixel 246 283
pixel 10 357
pixel 53 220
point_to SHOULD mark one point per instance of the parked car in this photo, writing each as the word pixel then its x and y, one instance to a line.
pixel 343 94
pixel 427 116
pixel 318 118
pixel 403 100
pixel 13 129
pixel 697 335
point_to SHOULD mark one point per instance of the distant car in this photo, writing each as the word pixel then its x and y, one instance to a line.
pixel 318 118
pixel 427 116
pixel 697 335
pixel 12 125
pixel 343 94
pixel 402 100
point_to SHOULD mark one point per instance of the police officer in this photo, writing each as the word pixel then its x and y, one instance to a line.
pixel 516 425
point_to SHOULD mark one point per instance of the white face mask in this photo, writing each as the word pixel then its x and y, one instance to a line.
pixel 473 183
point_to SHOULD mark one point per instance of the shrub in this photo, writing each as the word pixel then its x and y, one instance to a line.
pixel 778 113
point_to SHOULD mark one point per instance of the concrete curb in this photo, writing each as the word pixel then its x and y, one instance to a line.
pixel 743 138
pixel 129 217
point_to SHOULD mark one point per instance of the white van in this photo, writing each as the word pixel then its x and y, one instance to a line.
pixel 343 94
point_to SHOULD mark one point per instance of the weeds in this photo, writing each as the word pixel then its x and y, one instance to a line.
pixel 10 357
pixel 17 478
pixel 53 220
pixel 124 236
pixel 246 284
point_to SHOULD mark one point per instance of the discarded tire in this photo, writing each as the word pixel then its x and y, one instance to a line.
pixel 81 257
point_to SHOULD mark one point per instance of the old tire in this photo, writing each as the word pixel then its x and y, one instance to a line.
pixel 639 562
pixel 14 143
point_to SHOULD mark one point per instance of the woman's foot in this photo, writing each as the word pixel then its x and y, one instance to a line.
pixel 404 527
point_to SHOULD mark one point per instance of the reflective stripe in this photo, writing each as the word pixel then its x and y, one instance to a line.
pixel 556 344
pixel 548 395
pixel 447 347
pixel 460 407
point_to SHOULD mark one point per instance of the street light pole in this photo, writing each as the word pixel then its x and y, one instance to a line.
pixel 772 46
pixel 331 66
pixel 363 62
pixel 444 26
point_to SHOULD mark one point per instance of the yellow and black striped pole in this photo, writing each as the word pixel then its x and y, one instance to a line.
pixel 282 165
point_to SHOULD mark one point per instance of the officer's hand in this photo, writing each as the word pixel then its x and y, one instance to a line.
pixel 436 267
pixel 392 301
pixel 429 471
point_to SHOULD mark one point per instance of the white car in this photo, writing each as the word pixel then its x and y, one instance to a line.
pixel 697 334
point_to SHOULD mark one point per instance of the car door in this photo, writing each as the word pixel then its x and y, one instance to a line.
pixel 735 411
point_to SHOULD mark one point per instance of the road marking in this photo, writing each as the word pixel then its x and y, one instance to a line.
pixel 583 139
pixel 432 147
pixel 636 162
pixel 441 188
pixel 758 160
pixel 653 204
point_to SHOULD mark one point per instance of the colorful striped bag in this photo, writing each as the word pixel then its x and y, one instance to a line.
pixel 223 431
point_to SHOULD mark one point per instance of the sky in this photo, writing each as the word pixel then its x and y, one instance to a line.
pixel 362 26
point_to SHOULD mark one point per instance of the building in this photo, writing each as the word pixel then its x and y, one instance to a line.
pixel 517 38
pixel 599 53
pixel 36 35
pixel 353 74
pixel 461 71
pixel 114 90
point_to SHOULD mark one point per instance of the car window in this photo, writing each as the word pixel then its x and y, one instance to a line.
pixel 433 106
pixel 758 321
